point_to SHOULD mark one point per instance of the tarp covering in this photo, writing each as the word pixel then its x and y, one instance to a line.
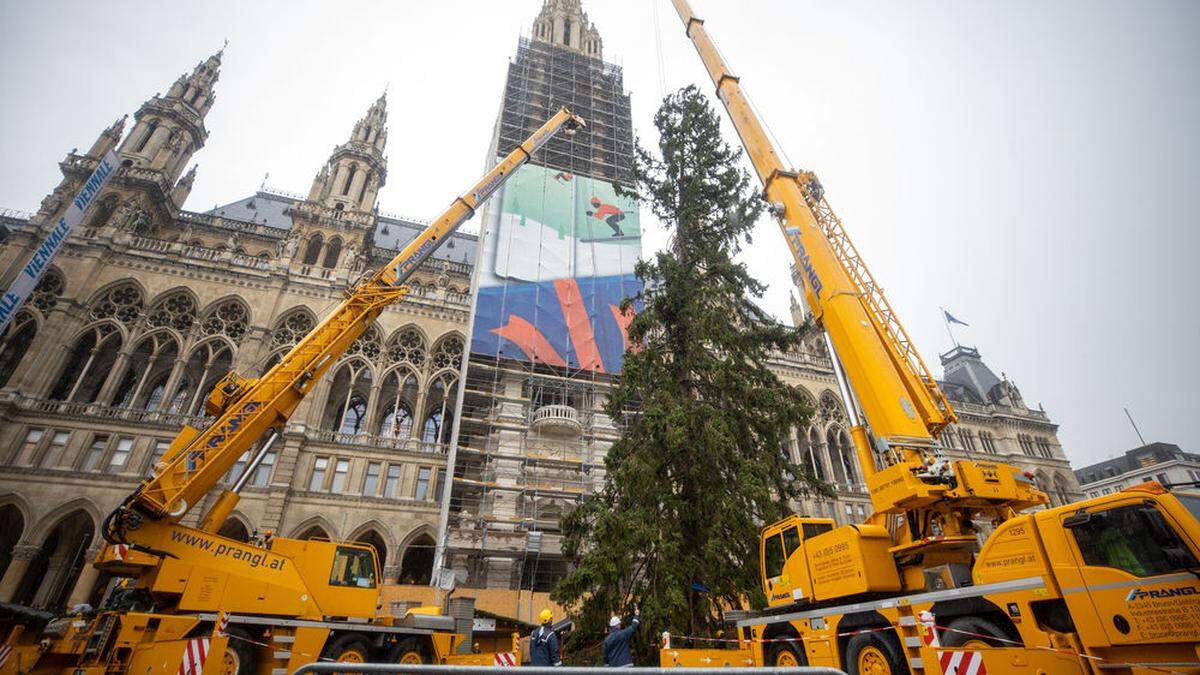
pixel 557 262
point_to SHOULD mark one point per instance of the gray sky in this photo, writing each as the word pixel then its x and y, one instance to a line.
pixel 1025 164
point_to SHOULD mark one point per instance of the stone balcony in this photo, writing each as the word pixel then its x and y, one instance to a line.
pixel 557 420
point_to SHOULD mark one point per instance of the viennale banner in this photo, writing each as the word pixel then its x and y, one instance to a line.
pixel 28 277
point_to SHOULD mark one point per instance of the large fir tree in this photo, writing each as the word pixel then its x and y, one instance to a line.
pixel 699 467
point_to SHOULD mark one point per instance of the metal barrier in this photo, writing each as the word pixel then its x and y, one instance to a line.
pixel 546 670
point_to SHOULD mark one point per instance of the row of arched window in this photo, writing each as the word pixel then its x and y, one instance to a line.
pixel 166 355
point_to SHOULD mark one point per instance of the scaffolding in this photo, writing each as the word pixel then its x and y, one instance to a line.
pixel 532 437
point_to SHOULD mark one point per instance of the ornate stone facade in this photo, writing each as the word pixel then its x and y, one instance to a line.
pixel 149 305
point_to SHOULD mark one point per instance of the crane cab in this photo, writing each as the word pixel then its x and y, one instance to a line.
pixel 810 559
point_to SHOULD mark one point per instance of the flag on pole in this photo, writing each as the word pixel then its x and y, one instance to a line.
pixel 950 319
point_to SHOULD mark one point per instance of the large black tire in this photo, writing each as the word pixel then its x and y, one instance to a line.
pixel 239 657
pixel 348 648
pixel 972 628
pixel 874 654
pixel 786 655
pixel 411 651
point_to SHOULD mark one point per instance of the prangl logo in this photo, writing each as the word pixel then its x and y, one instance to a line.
pixel 1159 593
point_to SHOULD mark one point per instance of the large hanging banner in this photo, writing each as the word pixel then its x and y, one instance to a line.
pixel 28 277
pixel 557 261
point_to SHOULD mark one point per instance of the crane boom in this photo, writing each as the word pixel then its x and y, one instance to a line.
pixel 900 399
pixel 246 408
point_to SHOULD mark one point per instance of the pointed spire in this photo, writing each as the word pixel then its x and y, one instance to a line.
pixel 108 138
pixel 184 187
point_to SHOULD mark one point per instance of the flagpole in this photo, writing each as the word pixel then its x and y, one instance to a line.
pixel 946 321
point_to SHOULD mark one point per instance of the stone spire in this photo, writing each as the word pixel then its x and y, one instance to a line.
pixel 184 187
pixel 169 128
pixel 108 138
pixel 351 178
pixel 564 23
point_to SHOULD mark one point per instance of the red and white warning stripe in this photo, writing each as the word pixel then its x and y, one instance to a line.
pixel 120 551
pixel 506 659
pixel 4 652
pixel 962 663
pixel 195 652
pixel 223 625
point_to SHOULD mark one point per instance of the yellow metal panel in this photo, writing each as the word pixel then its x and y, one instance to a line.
pixel 850 560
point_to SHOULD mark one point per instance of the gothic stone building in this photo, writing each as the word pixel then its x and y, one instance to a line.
pixel 148 305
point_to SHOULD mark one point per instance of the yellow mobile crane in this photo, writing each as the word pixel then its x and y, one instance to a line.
pixel 255 608
pixel 1107 584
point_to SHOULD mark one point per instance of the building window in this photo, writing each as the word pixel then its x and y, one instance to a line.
pixel 312 252
pixel 349 179
pixel 332 252
pixel 58 448
pixel 371 480
pixel 150 129
pixel 238 467
pixel 160 449
pixel 120 455
pixel 91 460
pixel 33 439
pixel 14 342
pixel 262 473
pixel 340 470
pixel 317 482
pixel 422 491
pixel 392 485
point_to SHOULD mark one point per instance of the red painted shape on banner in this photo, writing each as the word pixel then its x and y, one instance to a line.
pixel 623 320
pixel 531 341
pixel 579 325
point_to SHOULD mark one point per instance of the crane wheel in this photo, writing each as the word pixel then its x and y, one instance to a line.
pixel 410 651
pixel 974 629
pixel 785 655
pixel 874 654
pixel 349 648
pixel 238 658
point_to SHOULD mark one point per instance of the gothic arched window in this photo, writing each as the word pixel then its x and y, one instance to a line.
pixel 122 302
pixel 398 398
pixel 149 367
pixel 438 415
pixel 312 252
pixel 448 353
pixel 92 357
pixel 332 252
pixel 346 410
pixel 15 342
pixel 349 179
pixel 362 192
pixel 407 346
pixel 206 365
pixel 150 129
pixel 176 310
pixel 228 318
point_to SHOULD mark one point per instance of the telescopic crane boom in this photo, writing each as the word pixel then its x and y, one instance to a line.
pixel 246 408
pixel 877 364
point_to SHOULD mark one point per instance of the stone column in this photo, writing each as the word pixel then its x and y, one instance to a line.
pixel 21 555
pixel 116 375
pixel 49 348
pixel 172 383
pixel 391 574
pixel 87 579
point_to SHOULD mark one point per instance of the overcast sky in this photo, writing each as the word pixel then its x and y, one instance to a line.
pixel 1027 165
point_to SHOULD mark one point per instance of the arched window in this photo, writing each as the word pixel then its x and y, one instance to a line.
pixel 122 303
pixel 88 365
pixel 566 32
pixel 448 353
pixel 150 129
pixel 176 310
pixel 332 252
pixel 438 415
pixel 366 133
pixel 15 342
pixel 362 192
pixel 349 179
pixel 354 417
pixel 149 367
pixel 104 212
pixel 346 409
pixel 195 96
pixel 206 365
pixel 312 252
pixel 417 565
pixel 407 347
pixel 229 318
pixel 398 398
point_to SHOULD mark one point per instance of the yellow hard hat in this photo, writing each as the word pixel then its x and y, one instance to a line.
pixel 546 616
